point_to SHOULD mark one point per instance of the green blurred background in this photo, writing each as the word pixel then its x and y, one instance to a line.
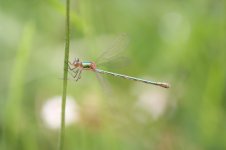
pixel 181 42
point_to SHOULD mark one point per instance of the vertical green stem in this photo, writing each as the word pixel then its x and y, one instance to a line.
pixel 66 56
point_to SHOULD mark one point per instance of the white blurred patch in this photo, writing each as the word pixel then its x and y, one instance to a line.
pixel 174 28
pixel 51 112
pixel 154 102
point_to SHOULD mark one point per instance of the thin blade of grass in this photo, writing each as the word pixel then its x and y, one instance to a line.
pixel 66 56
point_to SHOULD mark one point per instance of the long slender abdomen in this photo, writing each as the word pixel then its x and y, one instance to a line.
pixel 161 84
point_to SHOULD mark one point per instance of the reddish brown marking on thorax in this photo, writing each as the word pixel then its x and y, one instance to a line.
pixel 93 65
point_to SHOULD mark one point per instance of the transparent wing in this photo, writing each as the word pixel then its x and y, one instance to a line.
pixel 116 62
pixel 114 51
pixel 104 84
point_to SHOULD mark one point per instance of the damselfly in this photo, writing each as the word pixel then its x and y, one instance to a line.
pixel 78 66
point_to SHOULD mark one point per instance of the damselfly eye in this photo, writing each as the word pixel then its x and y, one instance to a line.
pixel 76 60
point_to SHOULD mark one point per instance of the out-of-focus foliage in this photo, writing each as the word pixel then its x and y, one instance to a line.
pixel 182 42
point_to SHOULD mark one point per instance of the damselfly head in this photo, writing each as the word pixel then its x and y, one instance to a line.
pixel 76 62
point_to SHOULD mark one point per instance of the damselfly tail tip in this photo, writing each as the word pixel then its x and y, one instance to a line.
pixel 165 85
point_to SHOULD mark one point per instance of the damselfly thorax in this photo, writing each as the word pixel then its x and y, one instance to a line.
pixel 85 65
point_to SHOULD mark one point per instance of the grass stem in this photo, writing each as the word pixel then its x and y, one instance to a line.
pixel 66 57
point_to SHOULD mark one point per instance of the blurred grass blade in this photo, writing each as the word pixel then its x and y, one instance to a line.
pixel 75 19
pixel 14 110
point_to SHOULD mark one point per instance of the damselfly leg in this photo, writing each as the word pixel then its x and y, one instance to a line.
pixel 79 75
pixel 75 69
